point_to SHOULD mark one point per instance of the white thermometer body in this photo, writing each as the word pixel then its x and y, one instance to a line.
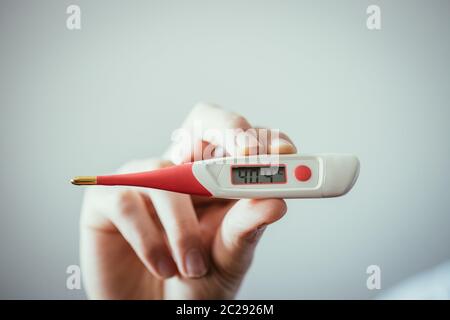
pixel 279 176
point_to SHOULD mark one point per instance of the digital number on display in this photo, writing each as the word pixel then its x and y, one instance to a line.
pixel 258 174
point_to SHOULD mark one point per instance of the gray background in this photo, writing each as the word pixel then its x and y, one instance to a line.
pixel 75 102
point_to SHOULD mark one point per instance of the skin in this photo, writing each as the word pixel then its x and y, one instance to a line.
pixel 153 244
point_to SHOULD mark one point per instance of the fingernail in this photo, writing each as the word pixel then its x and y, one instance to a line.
pixel 247 144
pixel 195 264
pixel 256 235
pixel 280 145
pixel 166 268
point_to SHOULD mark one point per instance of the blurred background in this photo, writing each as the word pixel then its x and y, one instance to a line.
pixel 86 101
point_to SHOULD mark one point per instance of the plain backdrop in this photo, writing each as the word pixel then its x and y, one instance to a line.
pixel 86 101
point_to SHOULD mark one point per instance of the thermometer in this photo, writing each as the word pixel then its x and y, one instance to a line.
pixel 259 176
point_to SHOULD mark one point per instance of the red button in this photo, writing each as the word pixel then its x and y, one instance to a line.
pixel 302 173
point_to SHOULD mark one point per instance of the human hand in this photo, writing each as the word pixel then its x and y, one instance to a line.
pixel 153 244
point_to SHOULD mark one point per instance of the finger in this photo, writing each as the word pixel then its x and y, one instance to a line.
pixel 282 145
pixel 277 142
pixel 178 218
pixel 179 221
pixel 241 229
pixel 200 201
pixel 132 218
pixel 224 132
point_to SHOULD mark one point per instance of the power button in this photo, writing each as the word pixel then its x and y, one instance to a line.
pixel 302 173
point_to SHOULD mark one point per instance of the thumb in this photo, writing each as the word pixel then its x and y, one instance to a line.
pixel 240 231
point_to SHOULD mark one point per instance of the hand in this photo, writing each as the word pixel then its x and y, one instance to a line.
pixel 153 244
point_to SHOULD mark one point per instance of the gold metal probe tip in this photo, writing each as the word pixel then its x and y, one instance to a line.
pixel 87 180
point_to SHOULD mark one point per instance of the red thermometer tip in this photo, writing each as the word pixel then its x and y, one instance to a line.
pixel 176 178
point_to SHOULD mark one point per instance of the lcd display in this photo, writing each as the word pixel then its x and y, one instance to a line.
pixel 258 174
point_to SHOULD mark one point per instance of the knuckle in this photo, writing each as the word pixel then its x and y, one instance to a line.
pixel 127 202
pixel 149 252
pixel 181 238
pixel 237 121
pixel 185 242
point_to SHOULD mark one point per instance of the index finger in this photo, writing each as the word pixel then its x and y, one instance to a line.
pixel 210 131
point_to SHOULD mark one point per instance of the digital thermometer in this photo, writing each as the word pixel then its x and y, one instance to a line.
pixel 259 176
